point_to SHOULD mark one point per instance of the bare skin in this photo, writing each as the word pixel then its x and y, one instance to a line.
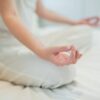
pixel 15 25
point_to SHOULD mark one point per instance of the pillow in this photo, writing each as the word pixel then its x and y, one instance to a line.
pixel 22 67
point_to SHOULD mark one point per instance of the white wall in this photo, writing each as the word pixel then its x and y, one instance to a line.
pixel 71 8
pixel 92 7
pixel 74 8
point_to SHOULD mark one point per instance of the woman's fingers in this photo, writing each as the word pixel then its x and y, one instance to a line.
pixel 75 55
pixel 73 58
pixel 63 58
pixel 93 21
pixel 78 55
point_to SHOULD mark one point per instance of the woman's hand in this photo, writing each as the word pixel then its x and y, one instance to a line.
pixel 56 55
pixel 91 21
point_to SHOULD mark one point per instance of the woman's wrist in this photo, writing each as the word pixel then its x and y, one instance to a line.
pixel 42 53
pixel 73 22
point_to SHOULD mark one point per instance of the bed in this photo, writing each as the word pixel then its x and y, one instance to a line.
pixel 86 85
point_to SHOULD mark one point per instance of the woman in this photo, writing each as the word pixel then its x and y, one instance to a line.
pixel 18 18
pixel 12 11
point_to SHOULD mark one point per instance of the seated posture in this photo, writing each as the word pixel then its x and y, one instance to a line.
pixel 18 19
pixel 11 16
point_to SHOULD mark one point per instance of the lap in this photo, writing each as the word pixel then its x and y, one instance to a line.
pixel 27 69
pixel 22 60
pixel 79 36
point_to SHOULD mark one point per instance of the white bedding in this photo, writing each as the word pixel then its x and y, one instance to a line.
pixel 85 87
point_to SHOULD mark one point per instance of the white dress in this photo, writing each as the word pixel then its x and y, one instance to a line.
pixel 14 55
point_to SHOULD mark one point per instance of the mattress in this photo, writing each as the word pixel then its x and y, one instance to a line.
pixel 86 85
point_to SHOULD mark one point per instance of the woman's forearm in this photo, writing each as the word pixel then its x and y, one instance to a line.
pixel 45 13
pixel 22 33
pixel 52 16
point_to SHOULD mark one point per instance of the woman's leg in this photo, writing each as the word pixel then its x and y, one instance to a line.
pixel 80 36
pixel 23 67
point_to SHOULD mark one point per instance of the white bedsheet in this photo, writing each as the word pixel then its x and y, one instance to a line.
pixel 85 87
